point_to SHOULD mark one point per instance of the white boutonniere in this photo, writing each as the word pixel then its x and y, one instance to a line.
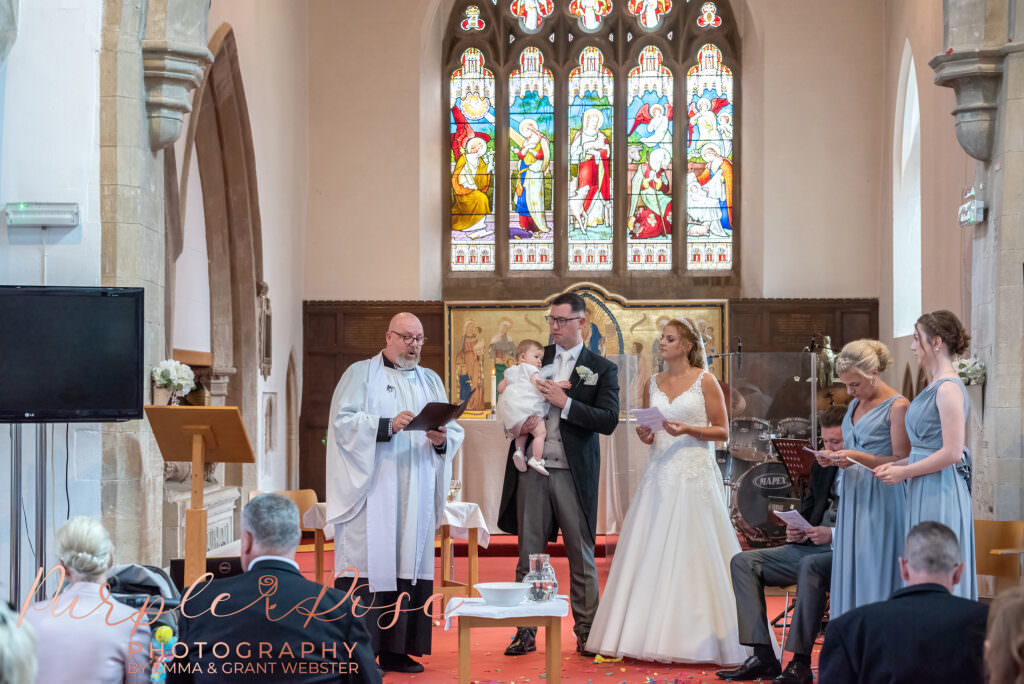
pixel 588 376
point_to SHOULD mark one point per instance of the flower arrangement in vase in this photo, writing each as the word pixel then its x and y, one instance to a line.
pixel 173 377
pixel 971 370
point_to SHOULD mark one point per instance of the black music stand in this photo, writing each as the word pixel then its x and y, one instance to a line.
pixel 797 461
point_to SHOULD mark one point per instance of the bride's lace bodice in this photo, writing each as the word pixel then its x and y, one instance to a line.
pixel 684 457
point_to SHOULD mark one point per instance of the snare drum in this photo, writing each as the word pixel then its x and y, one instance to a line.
pixel 750 439
pixel 749 509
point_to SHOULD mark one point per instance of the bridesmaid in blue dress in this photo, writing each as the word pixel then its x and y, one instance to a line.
pixel 936 424
pixel 868 539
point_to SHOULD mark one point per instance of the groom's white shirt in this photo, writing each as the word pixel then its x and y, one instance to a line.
pixel 569 357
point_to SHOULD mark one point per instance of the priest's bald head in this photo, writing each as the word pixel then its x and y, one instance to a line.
pixel 404 340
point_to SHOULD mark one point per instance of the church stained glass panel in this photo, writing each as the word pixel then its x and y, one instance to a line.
pixel 472 164
pixel 531 13
pixel 591 122
pixel 709 16
pixel 649 166
pixel 471 21
pixel 531 129
pixel 649 12
pixel 709 150
pixel 590 13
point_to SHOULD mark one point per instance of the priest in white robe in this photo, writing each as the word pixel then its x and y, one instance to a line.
pixel 386 490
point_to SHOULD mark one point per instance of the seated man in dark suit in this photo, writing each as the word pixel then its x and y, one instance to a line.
pixel 805 561
pixel 264 631
pixel 922 633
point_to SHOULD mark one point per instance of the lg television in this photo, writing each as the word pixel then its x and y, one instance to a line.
pixel 70 354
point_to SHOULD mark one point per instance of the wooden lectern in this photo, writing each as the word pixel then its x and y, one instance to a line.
pixel 201 435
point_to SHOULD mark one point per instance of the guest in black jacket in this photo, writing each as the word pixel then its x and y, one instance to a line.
pixel 260 633
pixel 805 561
pixel 922 633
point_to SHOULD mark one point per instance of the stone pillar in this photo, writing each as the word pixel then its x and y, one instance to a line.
pixel 8 27
pixel 133 242
pixel 984 63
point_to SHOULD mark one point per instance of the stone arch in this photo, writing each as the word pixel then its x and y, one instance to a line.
pixel 220 134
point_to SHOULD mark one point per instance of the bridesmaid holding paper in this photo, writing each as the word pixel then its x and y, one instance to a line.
pixel 868 539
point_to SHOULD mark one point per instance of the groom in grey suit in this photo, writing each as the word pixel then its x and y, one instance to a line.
pixel 535 506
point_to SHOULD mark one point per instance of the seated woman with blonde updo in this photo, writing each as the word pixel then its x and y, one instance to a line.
pixel 90 642
pixel 1004 643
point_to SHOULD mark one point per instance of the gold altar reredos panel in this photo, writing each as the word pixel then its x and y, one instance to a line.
pixel 481 337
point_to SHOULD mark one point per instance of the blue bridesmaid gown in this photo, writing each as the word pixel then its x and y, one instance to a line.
pixel 868 538
pixel 940 496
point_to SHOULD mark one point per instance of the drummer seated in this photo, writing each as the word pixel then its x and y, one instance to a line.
pixel 805 560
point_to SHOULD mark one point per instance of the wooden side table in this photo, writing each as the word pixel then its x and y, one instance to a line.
pixel 449 587
pixel 552 641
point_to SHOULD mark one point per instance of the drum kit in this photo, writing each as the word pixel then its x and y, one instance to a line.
pixel 760 483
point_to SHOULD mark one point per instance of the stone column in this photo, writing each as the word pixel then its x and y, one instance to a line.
pixel 984 63
pixel 132 215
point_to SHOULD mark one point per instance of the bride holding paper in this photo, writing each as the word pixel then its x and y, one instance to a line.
pixel 668 597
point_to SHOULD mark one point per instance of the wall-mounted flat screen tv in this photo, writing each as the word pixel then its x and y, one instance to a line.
pixel 70 354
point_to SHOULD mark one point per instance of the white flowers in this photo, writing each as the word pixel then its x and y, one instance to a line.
pixel 588 376
pixel 970 370
pixel 174 375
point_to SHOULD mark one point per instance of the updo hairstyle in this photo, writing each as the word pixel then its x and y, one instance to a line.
pixel 686 329
pixel 84 547
pixel 864 357
pixel 948 328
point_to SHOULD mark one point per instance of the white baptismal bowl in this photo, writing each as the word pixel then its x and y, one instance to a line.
pixel 503 593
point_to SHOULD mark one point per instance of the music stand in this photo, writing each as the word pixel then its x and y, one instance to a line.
pixel 200 435
pixel 797 461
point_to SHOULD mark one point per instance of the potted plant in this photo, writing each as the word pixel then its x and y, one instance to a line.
pixel 171 379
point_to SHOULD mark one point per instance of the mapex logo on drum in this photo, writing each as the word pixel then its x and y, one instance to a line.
pixel 771 481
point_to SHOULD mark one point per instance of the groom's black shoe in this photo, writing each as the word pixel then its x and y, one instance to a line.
pixel 795 673
pixel 752 668
pixel 524 641
pixel 581 647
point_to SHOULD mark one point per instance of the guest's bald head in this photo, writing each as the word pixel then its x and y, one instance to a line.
pixel 404 340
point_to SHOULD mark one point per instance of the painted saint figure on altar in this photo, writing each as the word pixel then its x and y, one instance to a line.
pixel 502 350
pixel 469 367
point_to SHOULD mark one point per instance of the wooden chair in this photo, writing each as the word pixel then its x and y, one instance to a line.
pixel 999 551
pixel 306 499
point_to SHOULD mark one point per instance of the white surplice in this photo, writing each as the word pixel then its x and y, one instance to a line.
pixel 384 498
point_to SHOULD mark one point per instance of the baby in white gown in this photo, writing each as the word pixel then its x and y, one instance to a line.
pixel 520 399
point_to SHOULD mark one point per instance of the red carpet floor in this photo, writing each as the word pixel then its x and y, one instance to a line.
pixel 489 664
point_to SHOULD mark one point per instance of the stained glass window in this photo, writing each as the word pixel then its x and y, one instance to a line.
pixel 557 207
pixel 472 164
pixel 590 13
pixel 531 13
pixel 649 12
pixel 472 21
pixel 709 16
pixel 531 127
pixel 709 150
pixel 590 206
pixel 649 166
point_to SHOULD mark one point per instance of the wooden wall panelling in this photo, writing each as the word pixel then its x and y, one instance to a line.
pixel 335 335
pixel 786 325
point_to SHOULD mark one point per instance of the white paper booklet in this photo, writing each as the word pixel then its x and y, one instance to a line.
pixel 650 417
pixel 793 519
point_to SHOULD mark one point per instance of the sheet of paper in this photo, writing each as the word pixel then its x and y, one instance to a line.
pixel 793 519
pixel 650 417
pixel 856 462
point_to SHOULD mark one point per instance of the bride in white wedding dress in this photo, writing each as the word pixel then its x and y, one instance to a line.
pixel 669 597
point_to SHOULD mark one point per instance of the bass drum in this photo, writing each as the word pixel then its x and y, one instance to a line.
pixel 749 508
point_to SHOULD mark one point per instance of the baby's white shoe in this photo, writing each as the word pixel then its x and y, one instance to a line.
pixel 538 466
pixel 519 461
